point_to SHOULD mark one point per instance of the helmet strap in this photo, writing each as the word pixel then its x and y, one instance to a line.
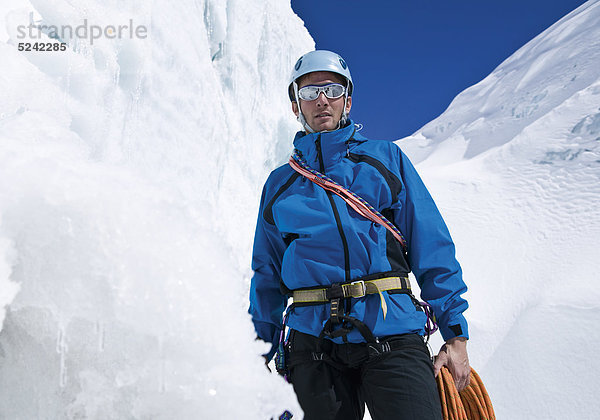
pixel 300 117
pixel 344 116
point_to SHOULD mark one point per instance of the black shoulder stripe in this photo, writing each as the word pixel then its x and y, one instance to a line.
pixel 268 211
pixel 392 180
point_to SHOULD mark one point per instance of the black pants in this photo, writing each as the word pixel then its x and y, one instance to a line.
pixel 334 381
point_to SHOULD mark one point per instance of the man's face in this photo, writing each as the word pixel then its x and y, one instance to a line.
pixel 323 113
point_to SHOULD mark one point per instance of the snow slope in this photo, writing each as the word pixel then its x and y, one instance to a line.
pixel 514 165
pixel 130 174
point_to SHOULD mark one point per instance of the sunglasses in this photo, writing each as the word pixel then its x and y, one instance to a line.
pixel 331 91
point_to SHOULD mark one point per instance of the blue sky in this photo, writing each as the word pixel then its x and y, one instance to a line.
pixel 410 58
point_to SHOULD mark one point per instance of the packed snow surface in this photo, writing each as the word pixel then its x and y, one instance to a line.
pixel 130 174
pixel 514 165
pixel 130 177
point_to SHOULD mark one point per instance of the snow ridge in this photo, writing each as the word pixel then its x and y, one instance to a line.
pixel 514 165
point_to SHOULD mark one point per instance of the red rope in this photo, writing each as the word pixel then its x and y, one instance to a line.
pixel 361 206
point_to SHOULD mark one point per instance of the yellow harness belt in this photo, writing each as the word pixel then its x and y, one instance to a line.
pixel 356 289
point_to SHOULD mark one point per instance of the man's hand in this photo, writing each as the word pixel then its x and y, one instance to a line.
pixel 454 356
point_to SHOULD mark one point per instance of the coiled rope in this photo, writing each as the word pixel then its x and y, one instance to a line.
pixel 472 403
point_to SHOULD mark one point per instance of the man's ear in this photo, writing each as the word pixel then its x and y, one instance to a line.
pixel 295 108
pixel 348 104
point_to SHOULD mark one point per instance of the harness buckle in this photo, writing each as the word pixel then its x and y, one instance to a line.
pixel 357 289
pixel 334 310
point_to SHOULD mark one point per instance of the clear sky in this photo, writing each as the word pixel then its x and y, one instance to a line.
pixel 410 58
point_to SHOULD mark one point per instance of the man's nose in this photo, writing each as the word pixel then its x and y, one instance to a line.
pixel 322 99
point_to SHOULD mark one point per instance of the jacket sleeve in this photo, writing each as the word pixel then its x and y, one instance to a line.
pixel 267 303
pixel 431 253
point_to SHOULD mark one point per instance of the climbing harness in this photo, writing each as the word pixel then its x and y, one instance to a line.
pixel 355 289
pixel 472 403
pixel 431 327
pixel 282 353
pixel 358 288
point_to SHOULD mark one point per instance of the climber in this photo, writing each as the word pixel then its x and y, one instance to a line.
pixel 356 331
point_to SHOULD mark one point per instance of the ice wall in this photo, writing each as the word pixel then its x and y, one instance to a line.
pixel 514 165
pixel 130 174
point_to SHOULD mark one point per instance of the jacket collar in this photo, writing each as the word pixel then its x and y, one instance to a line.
pixel 334 145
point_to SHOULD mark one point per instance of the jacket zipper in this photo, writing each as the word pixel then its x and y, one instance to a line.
pixel 335 213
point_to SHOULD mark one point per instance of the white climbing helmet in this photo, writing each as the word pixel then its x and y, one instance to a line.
pixel 320 60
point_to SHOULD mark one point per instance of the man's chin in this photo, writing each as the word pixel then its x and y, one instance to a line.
pixel 326 126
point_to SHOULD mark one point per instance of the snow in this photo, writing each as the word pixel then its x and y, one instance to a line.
pixel 130 174
pixel 514 165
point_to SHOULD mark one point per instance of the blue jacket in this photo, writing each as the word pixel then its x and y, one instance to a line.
pixel 306 238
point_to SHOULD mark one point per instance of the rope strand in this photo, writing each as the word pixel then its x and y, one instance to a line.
pixel 296 160
pixel 472 403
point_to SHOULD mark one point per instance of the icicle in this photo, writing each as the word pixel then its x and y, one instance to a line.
pixel 100 334
pixel 61 349
pixel 162 387
pixel 163 370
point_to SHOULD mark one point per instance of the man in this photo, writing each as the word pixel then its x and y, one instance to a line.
pixel 356 330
